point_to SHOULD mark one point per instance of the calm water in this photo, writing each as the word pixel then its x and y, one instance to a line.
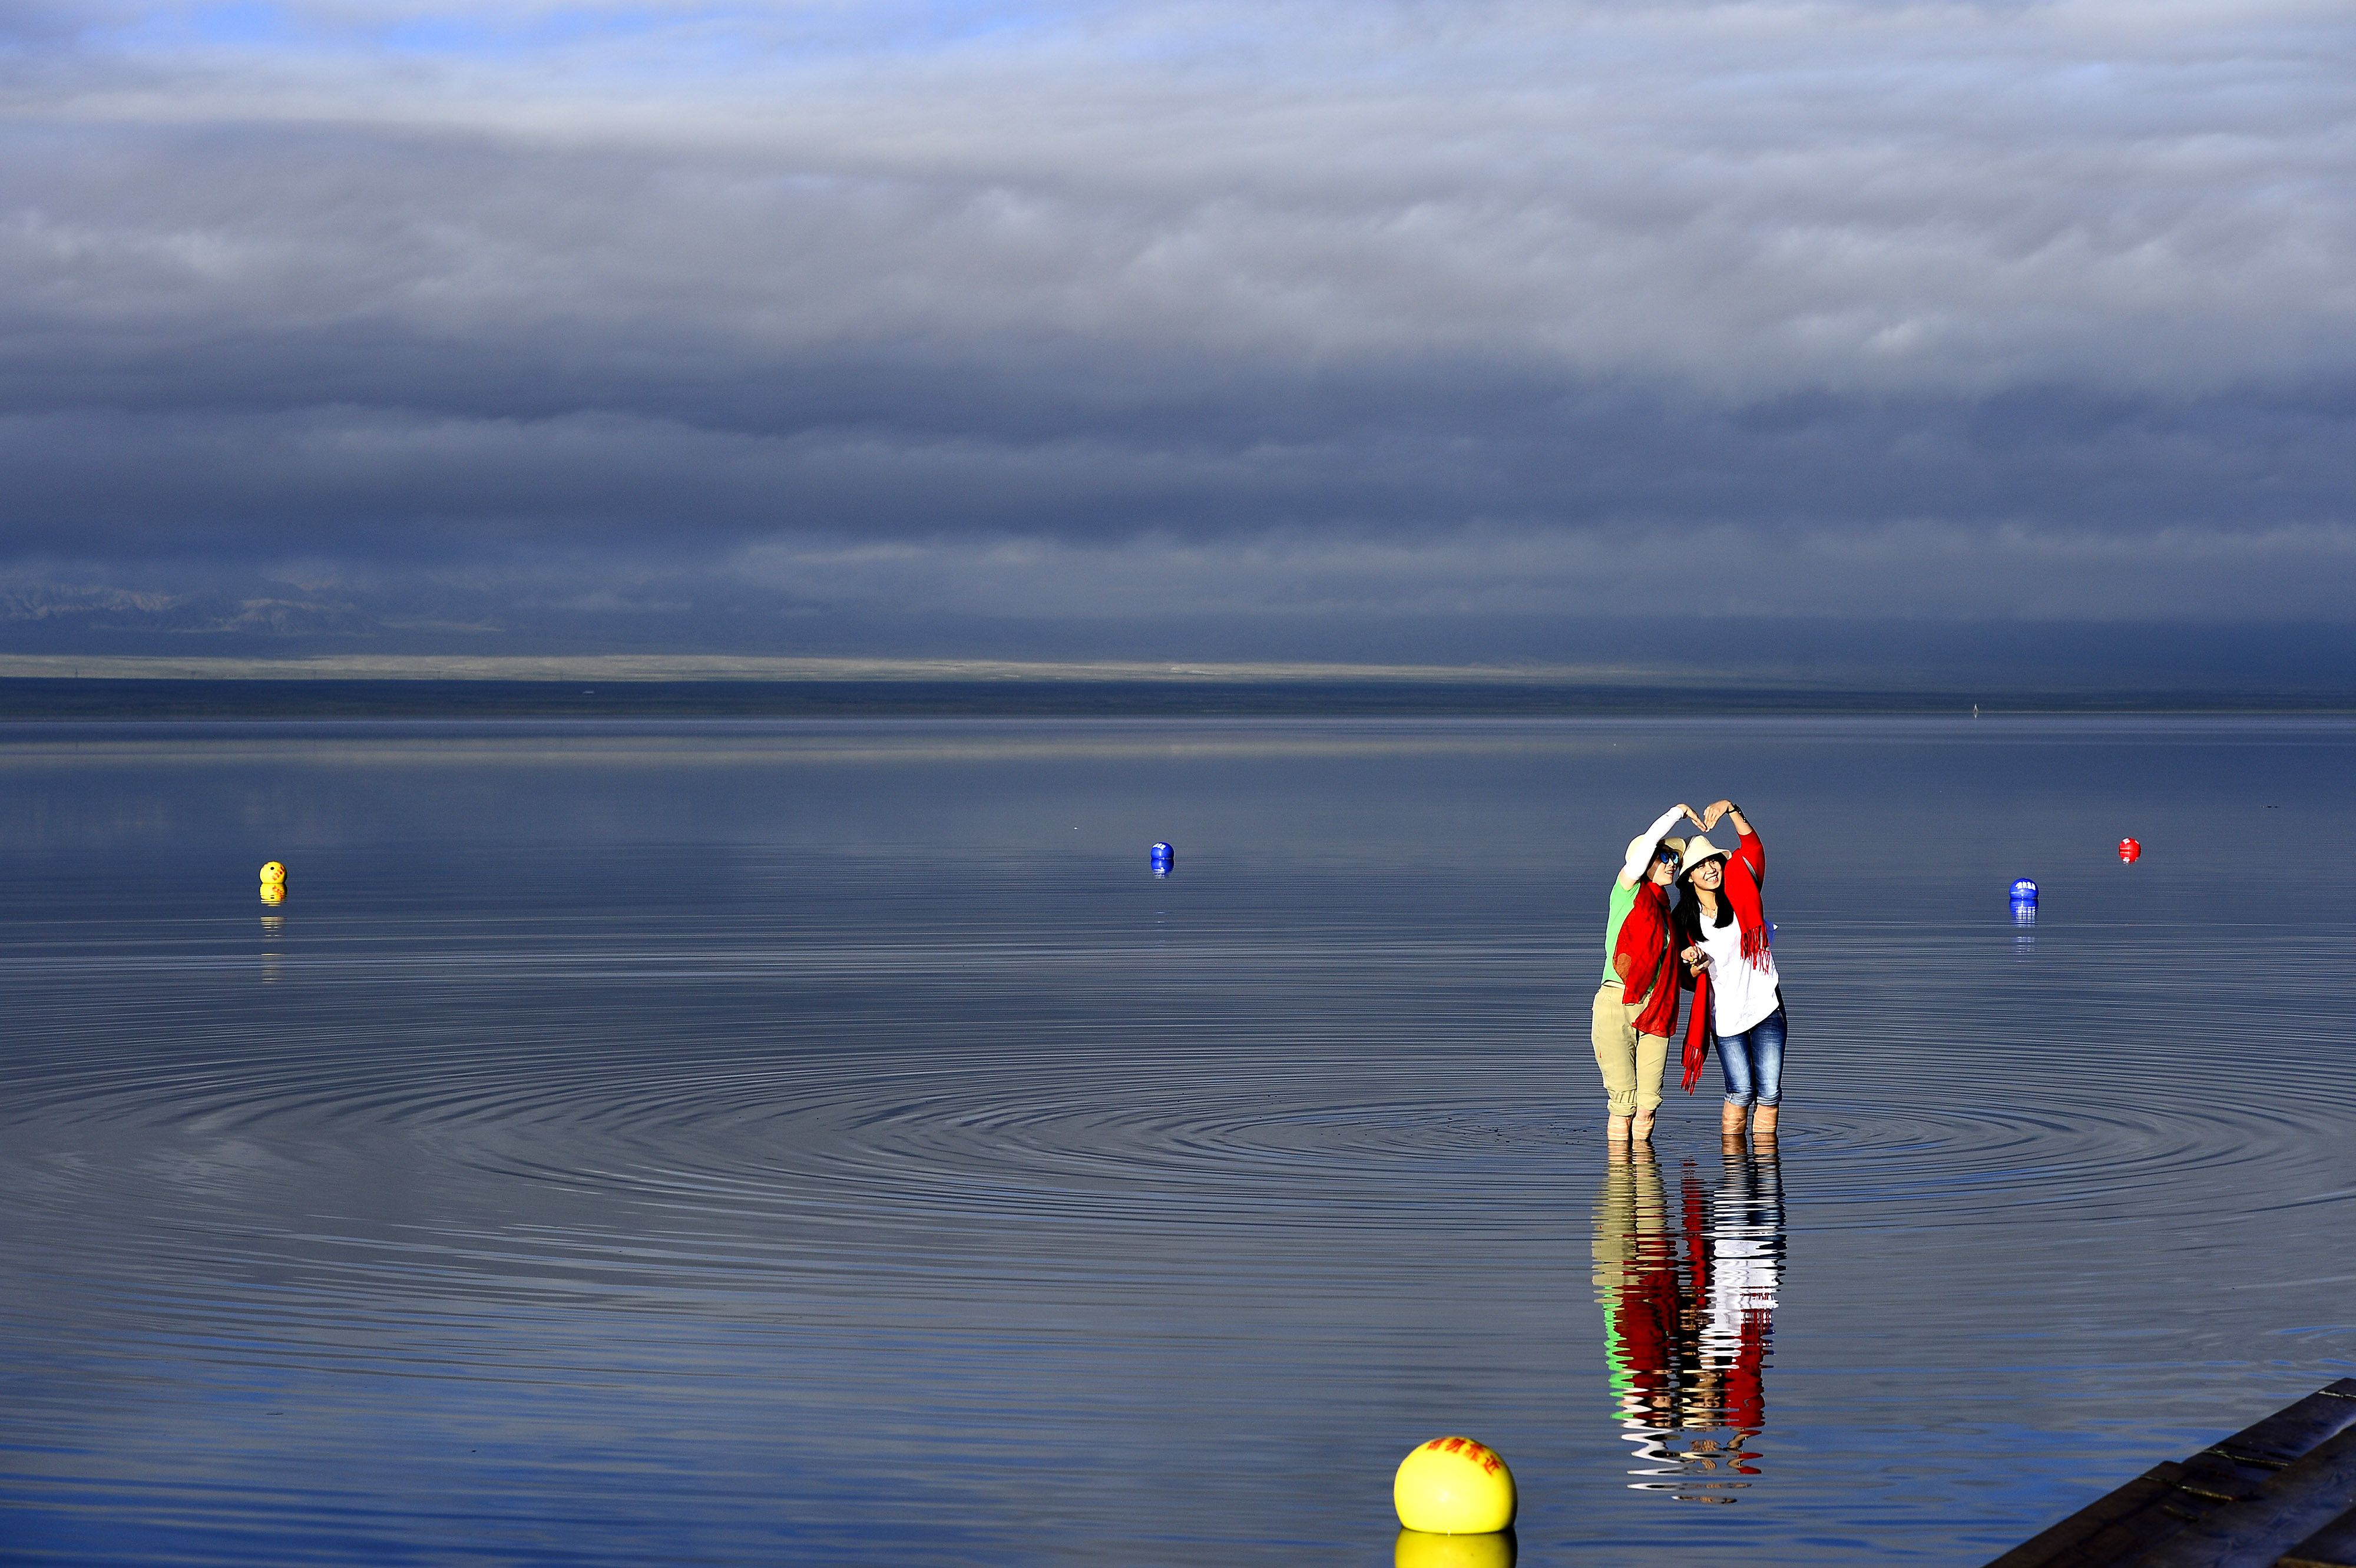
pixel 829 1142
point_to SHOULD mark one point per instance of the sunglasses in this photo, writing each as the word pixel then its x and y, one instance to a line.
pixel 1668 858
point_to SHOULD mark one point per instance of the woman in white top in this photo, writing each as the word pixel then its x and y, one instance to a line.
pixel 1724 935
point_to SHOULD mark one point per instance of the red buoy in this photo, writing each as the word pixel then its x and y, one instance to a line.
pixel 2130 850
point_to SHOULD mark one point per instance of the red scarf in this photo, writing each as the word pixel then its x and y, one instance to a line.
pixel 1740 888
pixel 1646 941
pixel 1697 1031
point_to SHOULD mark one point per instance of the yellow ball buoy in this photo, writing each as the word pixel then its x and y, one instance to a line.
pixel 273 872
pixel 1421 1548
pixel 1453 1485
pixel 273 892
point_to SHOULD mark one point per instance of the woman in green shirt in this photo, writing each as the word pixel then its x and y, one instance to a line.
pixel 1634 1012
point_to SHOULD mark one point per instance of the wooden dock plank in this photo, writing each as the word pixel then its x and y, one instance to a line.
pixel 2333 1546
pixel 2296 1429
pixel 2116 1522
pixel 2245 1496
pixel 2306 1495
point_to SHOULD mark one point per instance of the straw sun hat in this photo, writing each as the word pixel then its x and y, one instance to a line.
pixel 1637 847
pixel 1697 850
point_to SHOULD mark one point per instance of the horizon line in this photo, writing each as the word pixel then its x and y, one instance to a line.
pixel 674 667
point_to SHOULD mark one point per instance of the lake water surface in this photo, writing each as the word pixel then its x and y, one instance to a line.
pixel 828 1142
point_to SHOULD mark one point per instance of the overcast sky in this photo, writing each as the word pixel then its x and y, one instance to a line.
pixel 1323 312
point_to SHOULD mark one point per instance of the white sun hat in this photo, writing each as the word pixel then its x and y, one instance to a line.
pixel 1637 847
pixel 1698 850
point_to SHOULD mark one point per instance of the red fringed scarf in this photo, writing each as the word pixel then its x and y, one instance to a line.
pixel 1649 944
pixel 1740 888
pixel 1697 1031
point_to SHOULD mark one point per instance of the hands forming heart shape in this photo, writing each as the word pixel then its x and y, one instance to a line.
pixel 1709 814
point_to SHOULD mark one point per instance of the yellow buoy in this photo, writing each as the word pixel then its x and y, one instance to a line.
pixel 273 872
pixel 273 892
pixel 1421 1548
pixel 1453 1485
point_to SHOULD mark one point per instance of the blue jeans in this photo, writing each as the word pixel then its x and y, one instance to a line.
pixel 1754 1061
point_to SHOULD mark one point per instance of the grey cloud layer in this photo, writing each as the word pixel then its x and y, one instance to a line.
pixel 1930 309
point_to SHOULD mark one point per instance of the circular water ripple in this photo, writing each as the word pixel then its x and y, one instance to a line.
pixel 881 1129
pixel 749 1129
pixel 1326 1111
pixel 2118 1143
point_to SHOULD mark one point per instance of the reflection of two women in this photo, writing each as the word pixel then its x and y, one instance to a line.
pixel 1688 1292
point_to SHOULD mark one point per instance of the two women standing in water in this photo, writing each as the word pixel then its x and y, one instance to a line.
pixel 1715 943
pixel 1689 1300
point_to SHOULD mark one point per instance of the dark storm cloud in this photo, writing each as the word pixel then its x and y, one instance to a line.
pixel 1950 310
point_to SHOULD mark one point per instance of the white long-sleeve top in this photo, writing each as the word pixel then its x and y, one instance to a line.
pixel 1645 845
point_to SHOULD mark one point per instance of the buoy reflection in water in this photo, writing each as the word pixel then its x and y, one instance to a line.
pixel 1423 1549
pixel 1688 1301
pixel 274 934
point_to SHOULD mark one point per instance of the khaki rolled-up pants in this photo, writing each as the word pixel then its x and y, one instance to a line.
pixel 1631 1062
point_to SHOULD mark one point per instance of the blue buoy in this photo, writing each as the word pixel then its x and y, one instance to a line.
pixel 2024 891
pixel 1163 857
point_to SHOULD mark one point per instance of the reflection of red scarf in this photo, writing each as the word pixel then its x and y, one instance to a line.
pixel 1740 888
pixel 1645 943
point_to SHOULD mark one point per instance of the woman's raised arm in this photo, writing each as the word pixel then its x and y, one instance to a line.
pixel 1748 850
pixel 1709 818
pixel 1640 854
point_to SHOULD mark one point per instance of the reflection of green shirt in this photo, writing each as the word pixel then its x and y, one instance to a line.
pixel 1624 899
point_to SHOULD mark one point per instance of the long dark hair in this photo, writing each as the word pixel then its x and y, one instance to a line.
pixel 1688 914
